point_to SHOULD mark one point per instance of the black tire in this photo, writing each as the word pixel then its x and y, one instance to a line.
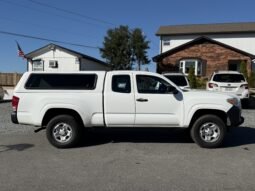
pixel 63 131
pixel 208 127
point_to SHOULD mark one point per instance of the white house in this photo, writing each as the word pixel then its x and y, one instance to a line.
pixel 206 47
pixel 53 57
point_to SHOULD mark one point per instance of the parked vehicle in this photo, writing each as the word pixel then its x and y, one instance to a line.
pixel 179 79
pixel 65 103
pixel 230 82
pixel 1 93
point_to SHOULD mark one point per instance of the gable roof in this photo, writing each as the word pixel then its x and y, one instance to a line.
pixel 199 40
pixel 202 29
pixel 52 46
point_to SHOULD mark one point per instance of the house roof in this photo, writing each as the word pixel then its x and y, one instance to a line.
pixel 202 29
pixel 51 46
pixel 199 40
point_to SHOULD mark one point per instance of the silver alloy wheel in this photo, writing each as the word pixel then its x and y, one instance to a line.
pixel 62 132
pixel 209 132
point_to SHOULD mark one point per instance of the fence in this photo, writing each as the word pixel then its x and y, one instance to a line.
pixel 9 79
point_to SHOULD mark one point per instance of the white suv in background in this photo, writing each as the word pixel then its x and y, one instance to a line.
pixel 230 82
pixel 179 79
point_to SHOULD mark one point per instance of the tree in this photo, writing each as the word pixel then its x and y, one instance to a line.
pixel 122 48
pixel 192 78
pixel 117 48
pixel 139 45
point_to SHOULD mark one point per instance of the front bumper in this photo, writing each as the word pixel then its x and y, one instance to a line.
pixel 14 117
pixel 234 117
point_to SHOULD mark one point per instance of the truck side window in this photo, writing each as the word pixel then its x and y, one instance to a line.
pixel 121 83
pixel 151 84
pixel 61 82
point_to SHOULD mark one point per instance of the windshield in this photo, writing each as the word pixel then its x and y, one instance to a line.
pixel 235 78
pixel 178 80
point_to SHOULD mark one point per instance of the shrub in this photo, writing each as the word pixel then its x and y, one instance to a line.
pixel 243 69
pixel 192 78
pixel 251 80
pixel 201 83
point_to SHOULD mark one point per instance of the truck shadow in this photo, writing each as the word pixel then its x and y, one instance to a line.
pixel 236 137
pixel 135 135
pixel 240 136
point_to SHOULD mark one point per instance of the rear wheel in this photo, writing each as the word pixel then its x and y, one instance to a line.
pixel 208 131
pixel 63 131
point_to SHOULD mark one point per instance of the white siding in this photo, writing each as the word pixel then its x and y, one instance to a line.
pixel 245 42
pixel 66 62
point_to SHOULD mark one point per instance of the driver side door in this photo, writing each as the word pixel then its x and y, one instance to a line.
pixel 155 105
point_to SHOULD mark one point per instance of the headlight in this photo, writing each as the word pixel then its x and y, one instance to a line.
pixel 233 101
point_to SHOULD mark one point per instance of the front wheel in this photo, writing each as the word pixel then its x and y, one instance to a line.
pixel 208 131
pixel 63 131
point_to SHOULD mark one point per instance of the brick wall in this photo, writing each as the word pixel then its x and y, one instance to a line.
pixel 213 56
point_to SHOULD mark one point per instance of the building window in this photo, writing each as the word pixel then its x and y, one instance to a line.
pixel 53 64
pixel 235 65
pixel 37 65
pixel 166 42
pixel 187 64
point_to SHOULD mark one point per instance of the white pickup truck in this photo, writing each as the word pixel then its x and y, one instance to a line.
pixel 65 103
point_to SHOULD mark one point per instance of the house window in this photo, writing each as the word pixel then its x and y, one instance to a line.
pixel 166 42
pixel 234 65
pixel 37 65
pixel 187 64
pixel 53 64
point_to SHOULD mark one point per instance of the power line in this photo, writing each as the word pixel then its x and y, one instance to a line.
pixel 47 12
pixel 72 12
pixel 58 29
pixel 46 39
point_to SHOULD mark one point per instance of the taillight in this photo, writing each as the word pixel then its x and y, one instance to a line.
pixel 15 103
pixel 245 86
pixel 212 85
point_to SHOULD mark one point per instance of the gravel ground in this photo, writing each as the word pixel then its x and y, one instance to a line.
pixel 6 126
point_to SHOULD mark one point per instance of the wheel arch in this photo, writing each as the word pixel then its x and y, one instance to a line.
pixel 53 112
pixel 219 113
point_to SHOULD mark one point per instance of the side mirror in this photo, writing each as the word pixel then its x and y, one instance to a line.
pixel 172 89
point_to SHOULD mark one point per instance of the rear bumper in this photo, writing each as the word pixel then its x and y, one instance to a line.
pixel 234 117
pixel 14 117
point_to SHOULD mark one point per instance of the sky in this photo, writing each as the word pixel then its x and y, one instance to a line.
pixel 86 22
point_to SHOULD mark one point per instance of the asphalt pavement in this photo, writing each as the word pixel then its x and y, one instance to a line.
pixel 122 159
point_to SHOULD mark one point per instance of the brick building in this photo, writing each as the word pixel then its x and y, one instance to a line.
pixel 207 48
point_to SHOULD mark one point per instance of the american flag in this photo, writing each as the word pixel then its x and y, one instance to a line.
pixel 20 51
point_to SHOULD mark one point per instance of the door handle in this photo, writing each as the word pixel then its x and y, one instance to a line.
pixel 142 100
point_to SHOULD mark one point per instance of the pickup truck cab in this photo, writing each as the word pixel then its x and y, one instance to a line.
pixel 65 103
